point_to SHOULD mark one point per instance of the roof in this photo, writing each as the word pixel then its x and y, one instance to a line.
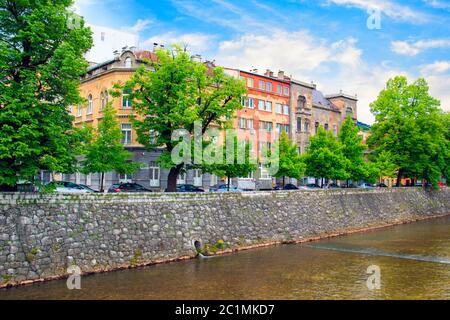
pixel 341 95
pixel 318 99
pixel 363 126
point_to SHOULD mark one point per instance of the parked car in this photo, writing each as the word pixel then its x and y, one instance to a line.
pixel 310 186
pixel 127 187
pixel 382 185
pixel 67 187
pixel 224 188
pixel 366 186
pixel 188 188
pixel 288 186
pixel 332 186
pixel 88 188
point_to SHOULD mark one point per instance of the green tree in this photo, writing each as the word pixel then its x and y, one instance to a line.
pixel 290 162
pixel 175 91
pixel 235 164
pixel 353 150
pixel 408 126
pixel 41 61
pixel 106 153
pixel 383 165
pixel 325 158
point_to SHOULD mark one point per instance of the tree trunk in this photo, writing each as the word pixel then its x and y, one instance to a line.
pixel 228 183
pixel 284 181
pixel 348 182
pixel 102 187
pixel 172 178
pixel 399 178
pixel 322 184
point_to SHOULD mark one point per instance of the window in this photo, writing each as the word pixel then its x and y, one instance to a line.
pixel 264 125
pixel 299 124
pixel 249 123
pixel 335 130
pixel 279 128
pixel 264 172
pixel 286 128
pixel 261 105
pixel 326 126
pixel 126 133
pixel 242 123
pixel 250 82
pixel 103 100
pixel 279 108
pixel 262 85
pixel 317 127
pixel 79 110
pixel 299 149
pixel 103 36
pixel 126 101
pixel 349 112
pixel 269 86
pixel 306 126
pixel 286 109
pixel 181 179
pixel 198 178
pixel 286 91
pixel 248 102
pixel 301 103
pixel 155 174
pixel 268 106
pixel 90 104
pixel 128 63
pixel 153 137
pixel 279 89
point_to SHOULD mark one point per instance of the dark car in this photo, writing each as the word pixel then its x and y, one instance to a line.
pixel 288 186
pixel 381 185
pixel 217 187
pixel 127 187
pixel 311 186
pixel 88 188
pixel 188 188
pixel 332 186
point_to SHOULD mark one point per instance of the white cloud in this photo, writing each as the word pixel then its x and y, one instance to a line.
pixel 439 85
pixel 435 68
pixel 409 48
pixel 438 4
pixel 332 66
pixel 387 7
pixel 195 42
pixel 141 25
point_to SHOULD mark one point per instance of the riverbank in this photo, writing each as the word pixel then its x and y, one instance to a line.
pixel 41 235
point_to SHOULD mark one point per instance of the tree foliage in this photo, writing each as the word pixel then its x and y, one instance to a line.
pixel 174 92
pixel 236 163
pixel 290 162
pixel 410 128
pixel 325 158
pixel 106 153
pixel 353 150
pixel 41 61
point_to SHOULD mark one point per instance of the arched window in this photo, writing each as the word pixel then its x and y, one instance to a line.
pixel 128 63
pixel 317 127
pixel 301 103
pixel 349 112
pixel 90 104
pixel 102 99
pixel 306 128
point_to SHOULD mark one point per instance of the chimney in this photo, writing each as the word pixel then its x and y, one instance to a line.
pixel 269 73
pixel 116 54
pixel 124 48
pixel 281 75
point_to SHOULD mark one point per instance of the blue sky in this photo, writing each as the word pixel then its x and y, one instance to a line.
pixel 325 41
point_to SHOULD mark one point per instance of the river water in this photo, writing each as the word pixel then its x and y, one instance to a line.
pixel 414 263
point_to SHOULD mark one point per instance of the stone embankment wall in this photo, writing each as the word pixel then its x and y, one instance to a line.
pixel 41 235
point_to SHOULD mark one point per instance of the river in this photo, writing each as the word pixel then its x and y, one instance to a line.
pixel 414 263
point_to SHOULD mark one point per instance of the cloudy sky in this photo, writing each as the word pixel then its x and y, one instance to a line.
pixel 325 41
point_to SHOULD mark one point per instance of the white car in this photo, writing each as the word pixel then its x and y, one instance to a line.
pixel 68 187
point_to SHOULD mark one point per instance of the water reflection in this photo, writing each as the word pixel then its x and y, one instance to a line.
pixel 285 272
